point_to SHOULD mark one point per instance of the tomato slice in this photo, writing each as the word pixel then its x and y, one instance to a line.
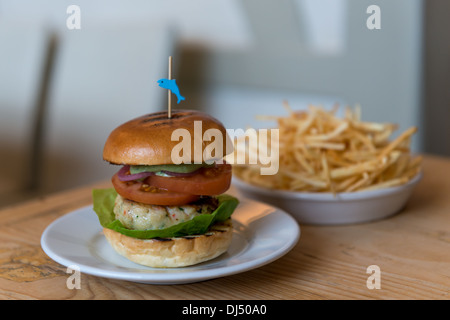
pixel 140 192
pixel 208 181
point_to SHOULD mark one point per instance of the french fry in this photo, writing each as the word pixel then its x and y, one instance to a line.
pixel 320 152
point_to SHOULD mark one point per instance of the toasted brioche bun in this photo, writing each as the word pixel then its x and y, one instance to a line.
pixel 173 252
pixel 147 140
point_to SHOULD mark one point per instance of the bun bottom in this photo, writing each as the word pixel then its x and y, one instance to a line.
pixel 173 252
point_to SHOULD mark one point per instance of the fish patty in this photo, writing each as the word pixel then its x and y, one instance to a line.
pixel 139 216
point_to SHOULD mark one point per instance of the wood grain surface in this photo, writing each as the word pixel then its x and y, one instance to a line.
pixel 411 248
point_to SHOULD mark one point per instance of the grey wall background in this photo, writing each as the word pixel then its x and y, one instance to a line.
pixel 379 69
pixel 435 110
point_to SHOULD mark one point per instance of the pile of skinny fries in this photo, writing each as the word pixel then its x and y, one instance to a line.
pixel 321 152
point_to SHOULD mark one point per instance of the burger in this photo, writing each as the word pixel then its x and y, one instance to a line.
pixel 163 212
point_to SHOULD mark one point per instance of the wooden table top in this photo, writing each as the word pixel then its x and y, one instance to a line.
pixel 412 250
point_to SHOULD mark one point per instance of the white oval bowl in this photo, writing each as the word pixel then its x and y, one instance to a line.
pixel 327 209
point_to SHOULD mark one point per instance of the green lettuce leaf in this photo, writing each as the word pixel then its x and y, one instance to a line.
pixel 103 200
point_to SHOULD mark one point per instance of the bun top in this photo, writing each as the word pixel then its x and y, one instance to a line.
pixel 151 139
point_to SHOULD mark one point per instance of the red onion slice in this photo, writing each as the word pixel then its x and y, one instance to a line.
pixel 123 176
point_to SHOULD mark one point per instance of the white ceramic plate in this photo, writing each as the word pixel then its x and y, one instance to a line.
pixel 327 209
pixel 262 234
